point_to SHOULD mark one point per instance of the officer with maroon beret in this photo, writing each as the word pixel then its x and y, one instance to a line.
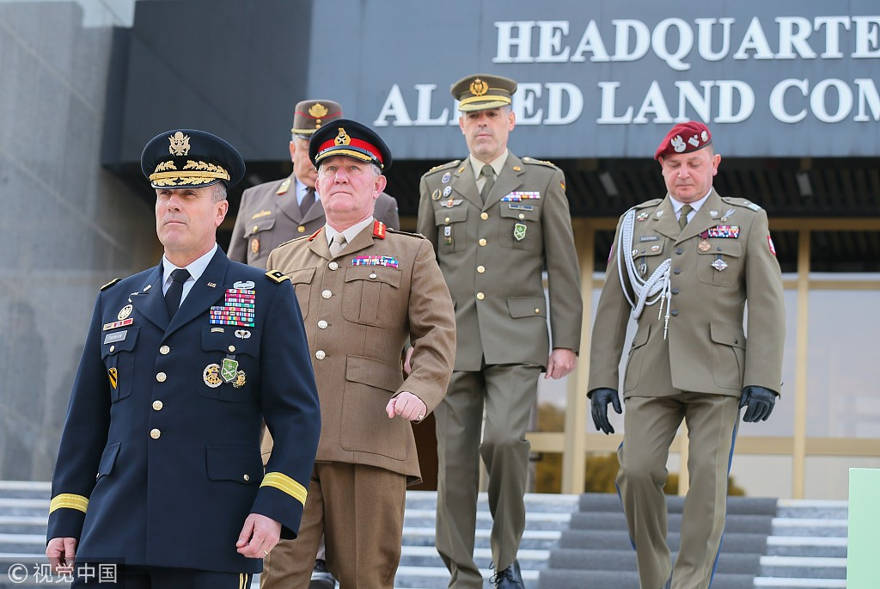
pixel 683 268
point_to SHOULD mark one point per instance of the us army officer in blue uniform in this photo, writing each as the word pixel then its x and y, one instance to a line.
pixel 159 466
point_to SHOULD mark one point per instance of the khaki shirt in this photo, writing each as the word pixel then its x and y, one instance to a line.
pixel 493 255
pixel 720 261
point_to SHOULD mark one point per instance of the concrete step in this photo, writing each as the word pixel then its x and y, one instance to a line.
pixel 610 502
pixel 619 540
pixel 438 578
pixel 814 527
pixel 23 524
pixel 809 508
pixel 806 546
pixel 426 556
pixel 544 502
pixel 24 506
pixel 803 567
pixel 535 520
pixel 25 489
pixel 783 583
pixel 532 539
pixel 750 524
pixel 22 543
pixel 581 579
pixel 619 560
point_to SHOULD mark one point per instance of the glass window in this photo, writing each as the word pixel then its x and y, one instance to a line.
pixel 842 368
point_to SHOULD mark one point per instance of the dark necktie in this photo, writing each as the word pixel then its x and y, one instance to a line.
pixel 175 291
pixel 683 216
pixel 488 172
pixel 307 201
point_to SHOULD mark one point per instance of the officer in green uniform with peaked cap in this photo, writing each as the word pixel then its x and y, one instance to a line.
pixel 683 268
pixel 497 222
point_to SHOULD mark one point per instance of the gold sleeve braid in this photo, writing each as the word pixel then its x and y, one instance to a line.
pixel 70 501
pixel 285 484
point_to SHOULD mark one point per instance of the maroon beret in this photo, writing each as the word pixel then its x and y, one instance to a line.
pixel 684 138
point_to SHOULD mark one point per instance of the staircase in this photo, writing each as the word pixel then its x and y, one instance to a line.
pixel 767 543
pixel 420 566
pixel 569 542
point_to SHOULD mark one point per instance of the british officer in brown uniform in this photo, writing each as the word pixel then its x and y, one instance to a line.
pixel 683 268
pixel 274 212
pixel 497 222
pixel 363 290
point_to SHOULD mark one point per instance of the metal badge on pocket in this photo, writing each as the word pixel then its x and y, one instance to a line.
pixel 519 231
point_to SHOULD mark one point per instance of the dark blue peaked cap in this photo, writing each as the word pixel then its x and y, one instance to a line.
pixel 189 158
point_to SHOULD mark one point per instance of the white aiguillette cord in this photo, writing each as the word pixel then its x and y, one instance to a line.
pixel 657 284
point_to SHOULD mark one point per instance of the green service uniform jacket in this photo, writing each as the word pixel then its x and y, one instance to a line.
pixel 723 258
pixel 493 254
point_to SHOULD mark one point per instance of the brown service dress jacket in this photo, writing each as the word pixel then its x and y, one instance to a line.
pixel 706 349
pixel 493 256
pixel 357 318
pixel 269 215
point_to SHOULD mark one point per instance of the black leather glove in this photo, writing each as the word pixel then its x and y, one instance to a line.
pixel 599 399
pixel 759 401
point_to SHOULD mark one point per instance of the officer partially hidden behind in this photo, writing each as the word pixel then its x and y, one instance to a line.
pixel 497 222
pixel 182 363
pixel 274 212
pixel 683 268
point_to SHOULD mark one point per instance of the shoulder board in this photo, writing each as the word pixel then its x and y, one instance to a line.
pixel 407 233
pixel 277 276
pixel 649 203
pixel 379 229
pixel 741 202
pixel 531 160
pixel 283 187
pixel 451 164
pixel 297 238
pixel 111 283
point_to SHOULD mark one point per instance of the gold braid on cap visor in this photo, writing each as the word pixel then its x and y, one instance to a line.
pixel 485 98
pixel 167 174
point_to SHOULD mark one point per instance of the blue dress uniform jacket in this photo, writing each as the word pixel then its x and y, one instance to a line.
pixel 158 468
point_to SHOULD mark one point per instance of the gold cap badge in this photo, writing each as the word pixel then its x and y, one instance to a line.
pixel 342 137
pixel 479 87
pixel 179 144
pixel 318 110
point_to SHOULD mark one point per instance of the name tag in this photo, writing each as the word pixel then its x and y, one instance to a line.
pixel 116 336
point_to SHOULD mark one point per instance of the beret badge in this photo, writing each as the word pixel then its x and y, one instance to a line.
pixel 678 144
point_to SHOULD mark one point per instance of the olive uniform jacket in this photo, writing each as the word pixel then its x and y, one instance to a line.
pixel 159 463
pixel 492 256
pixel 359 309
pixel 269 215
pixel 723 258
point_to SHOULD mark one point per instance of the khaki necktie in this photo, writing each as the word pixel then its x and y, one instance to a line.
pixel 308 200
pixel 488 172
pixel 338 244
pixel 683 216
